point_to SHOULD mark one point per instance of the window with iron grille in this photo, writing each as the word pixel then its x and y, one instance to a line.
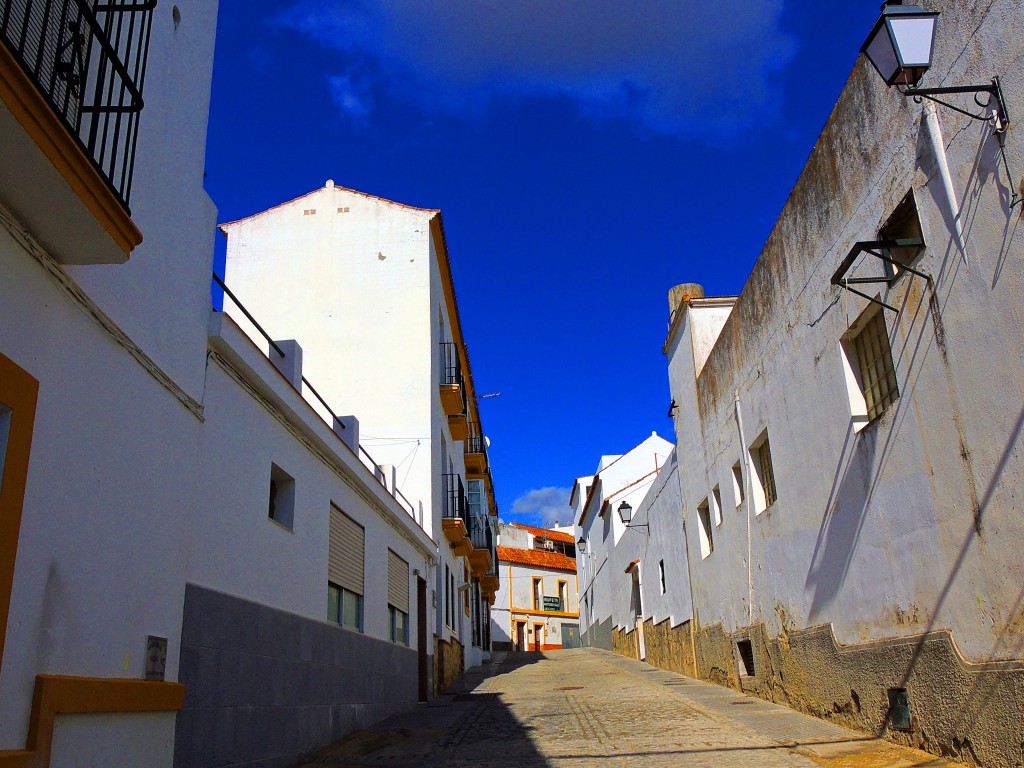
pixel 877 376
pixel 764 462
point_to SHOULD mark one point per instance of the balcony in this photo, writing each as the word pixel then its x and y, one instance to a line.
pixel 453 390
pixel 454 519
pixel 482 538
pixel 490 581
pixel 475 452
pixel 71 77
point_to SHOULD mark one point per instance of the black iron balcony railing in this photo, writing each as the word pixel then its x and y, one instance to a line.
pixel 451 369
pixel 475 442
pixel 480 533
pixel 455 499
pixel 88 60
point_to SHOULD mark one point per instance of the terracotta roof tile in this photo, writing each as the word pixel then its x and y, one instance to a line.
pixel 538 558
pixel 546 533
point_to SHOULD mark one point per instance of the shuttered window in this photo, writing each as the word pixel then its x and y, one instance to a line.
pixel 398 582
pixel 345 557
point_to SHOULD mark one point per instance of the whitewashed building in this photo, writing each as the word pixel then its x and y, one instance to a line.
pixel 196 568
pixel 365 284
pixel 537 607
pixel 852 457
pixel 619 480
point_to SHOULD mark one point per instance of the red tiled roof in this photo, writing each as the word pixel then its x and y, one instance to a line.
pixel 547 534
pixel 538 558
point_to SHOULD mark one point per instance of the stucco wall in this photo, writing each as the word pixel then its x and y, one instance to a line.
pixel 908 526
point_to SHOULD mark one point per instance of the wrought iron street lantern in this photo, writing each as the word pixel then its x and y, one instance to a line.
pixel 901 43
pixel 625 512
pixel 582 545
pixel 900 47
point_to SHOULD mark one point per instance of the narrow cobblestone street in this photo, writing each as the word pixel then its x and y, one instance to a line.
pixel 569 709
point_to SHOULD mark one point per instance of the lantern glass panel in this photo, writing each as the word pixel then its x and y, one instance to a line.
pixel 913 39
pixel 880 51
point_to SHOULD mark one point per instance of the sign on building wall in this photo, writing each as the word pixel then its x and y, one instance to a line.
pixel 552 603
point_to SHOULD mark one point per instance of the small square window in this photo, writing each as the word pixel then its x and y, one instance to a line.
pixel 707 541
pixel 737 484
pixel 281 508
pixel 745 660
pixel 716 497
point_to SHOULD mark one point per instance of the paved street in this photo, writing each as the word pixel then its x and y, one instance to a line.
pixel 569 709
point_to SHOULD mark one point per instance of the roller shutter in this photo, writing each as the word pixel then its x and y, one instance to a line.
pixel 345 556
pixel 398 582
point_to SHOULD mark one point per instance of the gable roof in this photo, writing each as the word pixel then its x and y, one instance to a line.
pixel 546 533
pixel 538 558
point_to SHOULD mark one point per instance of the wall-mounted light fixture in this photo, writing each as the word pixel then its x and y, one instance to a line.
pixel 901 46
pixel 581 545
pixel 626 515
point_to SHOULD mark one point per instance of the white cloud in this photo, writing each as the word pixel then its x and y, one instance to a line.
pixel 670 66
pixel 545 507
pixel 351 100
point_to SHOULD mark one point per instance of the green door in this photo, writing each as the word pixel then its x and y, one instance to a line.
pixel 570 635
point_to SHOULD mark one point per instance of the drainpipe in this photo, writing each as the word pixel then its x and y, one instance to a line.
pixel 939 151
pixel 748 482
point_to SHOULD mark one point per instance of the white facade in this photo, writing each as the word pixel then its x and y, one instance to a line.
pixel 365 285
pixel 878 557
pixel 138 431
pixel 535 564
pixel 619 479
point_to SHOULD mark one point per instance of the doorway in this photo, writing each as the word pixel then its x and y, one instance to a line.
pixel 538 637
pixel 520 635
pixel 421 636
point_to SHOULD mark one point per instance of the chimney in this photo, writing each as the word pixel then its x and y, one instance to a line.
pixel 682 293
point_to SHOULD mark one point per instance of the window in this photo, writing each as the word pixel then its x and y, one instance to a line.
pixel 716 496
pixel 344 607
pixel 737 484
pixel 745 660
pixel 563 596
pixel 475 498
pixel 345 570
pixel 538 594
pixel 661 575
pixel 764 459
pixel 870 374
pixel 398 599
pixel 707 541
pixel 281 508
pixel 764 476
pixel 447 597
pixel 903 224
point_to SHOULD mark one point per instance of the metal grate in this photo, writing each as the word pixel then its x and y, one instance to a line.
pixel 88 60
pixel 874 360
pixel 764 459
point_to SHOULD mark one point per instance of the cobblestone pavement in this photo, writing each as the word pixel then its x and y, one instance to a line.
pixel 576 708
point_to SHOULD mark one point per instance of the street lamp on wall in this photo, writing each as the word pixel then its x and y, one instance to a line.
pixel 626 515
pixel 582 545
pixel 900 48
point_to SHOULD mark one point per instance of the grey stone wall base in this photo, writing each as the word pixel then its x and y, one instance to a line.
pixel 264 687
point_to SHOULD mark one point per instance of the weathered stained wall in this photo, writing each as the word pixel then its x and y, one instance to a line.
pixel 909 525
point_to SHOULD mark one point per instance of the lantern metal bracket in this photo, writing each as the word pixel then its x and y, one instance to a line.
pixel 999 118
pixel 880 249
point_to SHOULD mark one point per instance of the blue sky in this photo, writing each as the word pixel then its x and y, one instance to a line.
pixel 587 155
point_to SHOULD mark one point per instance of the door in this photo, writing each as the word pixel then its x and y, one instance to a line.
pixel 571 636
pixel 520 635
pixel 421 635
pixel 538 637
pixel 639 614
